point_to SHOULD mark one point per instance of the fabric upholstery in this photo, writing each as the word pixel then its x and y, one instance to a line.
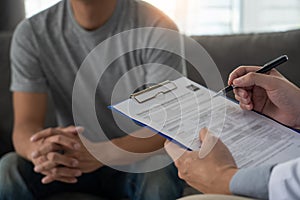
pixel 6 112
pixel 231 51
pixel 11 13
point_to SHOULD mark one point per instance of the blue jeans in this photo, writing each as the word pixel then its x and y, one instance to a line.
pixel 19 181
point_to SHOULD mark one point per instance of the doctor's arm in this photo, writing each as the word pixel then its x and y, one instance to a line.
pixel 285 181
pixel 281 181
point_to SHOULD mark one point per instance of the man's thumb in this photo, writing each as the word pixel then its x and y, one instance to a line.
pixel 79 129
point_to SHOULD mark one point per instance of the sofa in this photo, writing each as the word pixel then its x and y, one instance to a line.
pixel 231 51
pixel 11 13
pixel 228 52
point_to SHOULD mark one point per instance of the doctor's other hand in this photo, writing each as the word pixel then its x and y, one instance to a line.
pixel 270 94
pixel 210 174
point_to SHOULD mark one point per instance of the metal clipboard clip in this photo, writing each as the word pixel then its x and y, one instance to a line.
pixel 163 88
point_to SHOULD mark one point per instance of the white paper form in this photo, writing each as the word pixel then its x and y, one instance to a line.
pixel 179 114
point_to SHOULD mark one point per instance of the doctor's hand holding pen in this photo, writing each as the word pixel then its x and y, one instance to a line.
pixel 270 94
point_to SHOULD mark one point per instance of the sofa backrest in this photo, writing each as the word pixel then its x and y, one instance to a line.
pixel 231 51
pixel 6 112
pixel 6 109
pixel 11 13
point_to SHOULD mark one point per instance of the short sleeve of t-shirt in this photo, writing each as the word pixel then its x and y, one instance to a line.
pixel 27 75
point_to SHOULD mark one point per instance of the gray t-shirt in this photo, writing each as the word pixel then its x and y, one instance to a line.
pixel 49 48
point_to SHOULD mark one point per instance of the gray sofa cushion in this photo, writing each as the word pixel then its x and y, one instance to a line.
pixel 231 51
pixel 11 13
pixel 6 112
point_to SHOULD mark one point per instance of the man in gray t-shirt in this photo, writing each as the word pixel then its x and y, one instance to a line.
pixel 46 54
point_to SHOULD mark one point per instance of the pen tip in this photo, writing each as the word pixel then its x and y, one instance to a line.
pixel 218 94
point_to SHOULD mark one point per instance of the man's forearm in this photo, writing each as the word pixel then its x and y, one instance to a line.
pixel 141 141
pixel 29 117
pixel 21 139
pixel 128 149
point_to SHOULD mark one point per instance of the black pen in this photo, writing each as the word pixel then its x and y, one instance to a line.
pixel 266 68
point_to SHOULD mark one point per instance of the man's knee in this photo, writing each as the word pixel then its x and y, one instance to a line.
pixel 8 165
pixel 166 177
pixel 160 184
pixel 10 177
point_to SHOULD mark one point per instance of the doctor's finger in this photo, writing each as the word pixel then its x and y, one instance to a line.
pixel 174 150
